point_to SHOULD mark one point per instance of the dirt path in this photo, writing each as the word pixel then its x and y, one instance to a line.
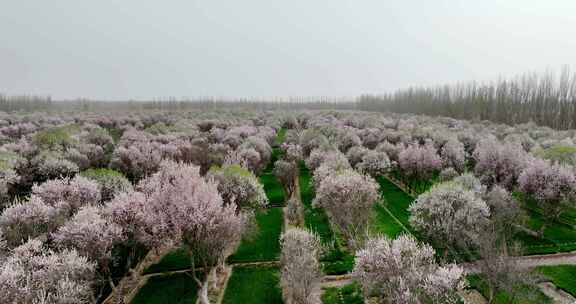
pixel 557 295
pixel 336 280
pixel 530 261
pixel 246 264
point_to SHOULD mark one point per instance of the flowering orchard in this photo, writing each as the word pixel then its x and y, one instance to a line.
pixel 89 201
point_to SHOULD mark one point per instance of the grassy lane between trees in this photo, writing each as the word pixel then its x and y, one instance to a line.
pixel 392 215
pixel 558 236
pixel 255 285
pixel 564 277
pixel 527 294
pixel 178 288
pixel 266 244
pixel 348 294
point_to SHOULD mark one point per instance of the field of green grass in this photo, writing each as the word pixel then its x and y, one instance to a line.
pixel 177 288
pixel 558 236
pixel 254 285
pixel 527 294
pixel 273 189
pixel 564 276
pixel 392 210
pixel 265 246
pixel 384 223
pixel 272 186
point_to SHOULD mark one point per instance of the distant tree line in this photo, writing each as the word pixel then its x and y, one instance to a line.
pixel 547 99
pixel 46 103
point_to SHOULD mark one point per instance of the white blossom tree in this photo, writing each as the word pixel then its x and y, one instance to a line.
pixel 34 274
pixel 449 214
pixel 28 219
pixel 239 187
pixel 453 155
pixel 374 163
pixel 404 271
pixel 184 208
pixel 92 236
pixel 300 265
pixel 348 198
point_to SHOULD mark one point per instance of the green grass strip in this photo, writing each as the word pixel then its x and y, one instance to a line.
pixel 254 285
pixel 266 245
pixel 527 294
pixel 178 288
pixel 564 276
pixel 385 223
pixel 273 189
pixel 348 294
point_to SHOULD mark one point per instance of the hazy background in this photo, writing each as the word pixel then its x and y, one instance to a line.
pixel 143 49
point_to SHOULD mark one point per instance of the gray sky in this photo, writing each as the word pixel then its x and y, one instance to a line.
pixel 119 49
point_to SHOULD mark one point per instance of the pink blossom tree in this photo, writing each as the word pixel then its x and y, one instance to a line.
pixel 92 236
pixel 261 146
pixel 293 152
pixel 374 163
pixel 248 158
pixel 348 198
pixel 355 154
pixel 552 186
pixel 126 210
pixel 183 208
pixel 346 139
pixel 450 214
pixel 453 155
pixel 239 187
pixel 499 163
pixel 329 163
pixel 34 274
pixel 419 161
pixel 137 160
pixel 69 194
pixel 28 219
pixel 300 265
pixel 286 173
pixel 392 150
pixel 405 271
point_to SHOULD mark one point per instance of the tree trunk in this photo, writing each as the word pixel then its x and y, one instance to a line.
pixel 541 231
pixel 490 295
pixel 203 294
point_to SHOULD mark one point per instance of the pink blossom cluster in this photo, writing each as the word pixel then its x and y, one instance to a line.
pixel 499 163
pixel 553 186
pixel 405 271
pixel 450 214
pixel 34 274
pixel 419 161
pixel 348 198
pixel 71 192
pixel 239 187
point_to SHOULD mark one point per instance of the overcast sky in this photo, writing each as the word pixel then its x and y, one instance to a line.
pixel 120 49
